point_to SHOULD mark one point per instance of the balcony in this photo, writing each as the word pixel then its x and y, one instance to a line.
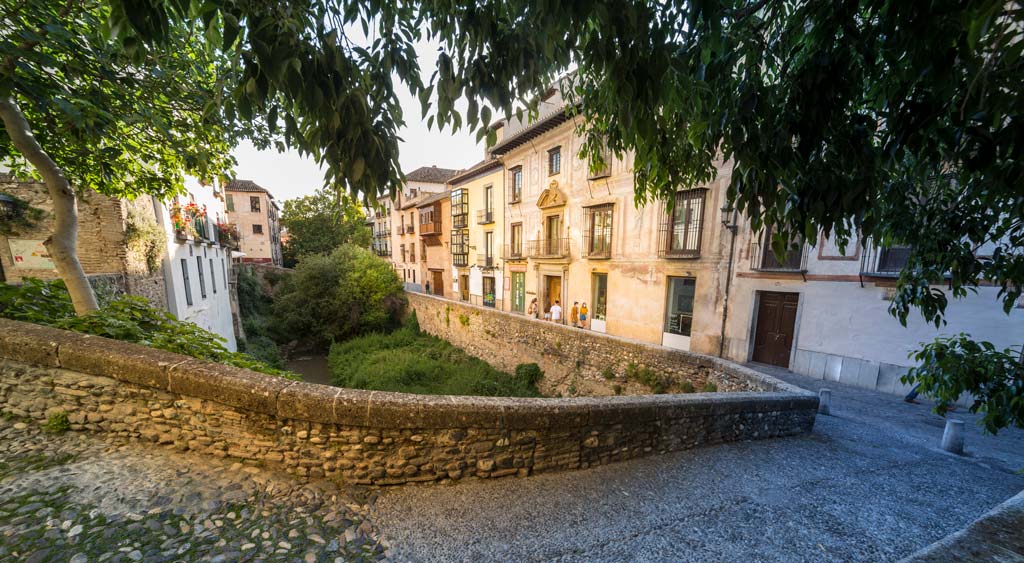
pixel 410 229
pixel 512 253
pixel 485 217
pixel 548 248
pixel 430 228
pixel 763 259
pixel 485 260
pixel 884 262
pixel 460 260
pixel 460 221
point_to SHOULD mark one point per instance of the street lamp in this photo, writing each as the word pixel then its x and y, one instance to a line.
pixel 727 216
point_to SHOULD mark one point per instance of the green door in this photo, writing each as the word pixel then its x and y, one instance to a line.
pixel 519 292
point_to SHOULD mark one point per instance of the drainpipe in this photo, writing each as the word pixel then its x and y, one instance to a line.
pixel 733 227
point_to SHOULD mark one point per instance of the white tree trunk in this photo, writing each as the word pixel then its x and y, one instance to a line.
pixel 63 243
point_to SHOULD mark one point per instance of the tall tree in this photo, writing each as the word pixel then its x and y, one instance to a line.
pixel 320 223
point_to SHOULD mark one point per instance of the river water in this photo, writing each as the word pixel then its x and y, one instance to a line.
pixel 313 369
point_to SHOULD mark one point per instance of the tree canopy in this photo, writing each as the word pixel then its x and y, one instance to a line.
pixel 319 223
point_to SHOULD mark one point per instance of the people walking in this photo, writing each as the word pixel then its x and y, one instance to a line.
pixel 556 312
pixel 574 314
pixel 583 315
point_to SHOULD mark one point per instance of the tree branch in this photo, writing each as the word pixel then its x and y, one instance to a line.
pixel 63 243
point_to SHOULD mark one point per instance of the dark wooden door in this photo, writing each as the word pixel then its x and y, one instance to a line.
pixel 776 322
pixel 437 282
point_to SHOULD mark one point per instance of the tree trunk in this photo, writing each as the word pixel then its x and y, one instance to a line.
pixel 63 243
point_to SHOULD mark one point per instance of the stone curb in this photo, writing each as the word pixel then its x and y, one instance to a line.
pixel 264 394
pixel 997 535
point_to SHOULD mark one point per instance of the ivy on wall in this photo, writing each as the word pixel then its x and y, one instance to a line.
pixel 144 237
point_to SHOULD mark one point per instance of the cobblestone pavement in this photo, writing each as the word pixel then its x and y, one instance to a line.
pixel 75 498
pixel 868 484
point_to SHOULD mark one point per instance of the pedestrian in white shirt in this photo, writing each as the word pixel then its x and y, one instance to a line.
pixel 556 312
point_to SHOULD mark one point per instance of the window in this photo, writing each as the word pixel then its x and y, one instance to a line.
pixel 606 169
pixel 554 161
pixel 423 252
pixel 254 203
pixel 188 283
pixel 679 313
pixel 893 258
pixel 599 305
pixel 202 280
pixel 460 209
pixel 487 259
pixel 460 247
pixel 489 198
pixel 414 276
pixel 792 260
pixel 213 277
pixel 257 229
pixel 516 238
pixel 516 193
pixel 488 291
pixel 597 239
pixel 682 232
pixel 403 252
pixel 412 252
pixel 224 270
pixel 230 201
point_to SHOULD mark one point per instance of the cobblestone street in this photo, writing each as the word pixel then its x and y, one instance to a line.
pixel 73 497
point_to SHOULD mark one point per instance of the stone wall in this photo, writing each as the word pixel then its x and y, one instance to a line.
pixel 575 361
pixel 102 250
pixel 131 392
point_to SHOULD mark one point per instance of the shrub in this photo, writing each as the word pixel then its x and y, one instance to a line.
pixel 57 423
pixel 126 317
pixel 646 376
pixel 262 349
pixel 529 374
pixel 410 361
pixel 608 373
pixel 463 319
pixel 709 387
pixel 686 387
pixel 331 298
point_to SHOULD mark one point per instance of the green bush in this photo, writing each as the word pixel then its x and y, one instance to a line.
pixel 262 349
pixel 648 377
pixel 126 317
pixel 331 298
pixel 687 387
pixel 410 361
pixel 57 423
pixel 529 374
pixel 608 374
pixel 709 387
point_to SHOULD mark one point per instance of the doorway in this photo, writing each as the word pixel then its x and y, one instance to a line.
pixel 519 292
pixel 776 325
pixel 552 291
pixel 464 287
pixel 437 282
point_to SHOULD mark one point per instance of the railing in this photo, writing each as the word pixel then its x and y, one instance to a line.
pixel 461 260
pixel 513 252
pixel 485 260
pixel 762 258
pixel 410 229
pixel 682 244
pixel 431 228
pixel 548 248
pixel 888 262
pixel 484 216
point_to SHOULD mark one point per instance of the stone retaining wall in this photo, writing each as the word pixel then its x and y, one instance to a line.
pixel 575 361
pixel 132 392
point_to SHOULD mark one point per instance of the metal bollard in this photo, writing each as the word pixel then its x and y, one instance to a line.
pixel 824 401
pixel 953 437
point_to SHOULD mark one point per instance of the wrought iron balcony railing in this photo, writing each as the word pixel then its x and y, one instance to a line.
pixel 548 248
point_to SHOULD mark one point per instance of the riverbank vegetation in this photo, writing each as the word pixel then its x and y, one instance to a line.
pixel 411 361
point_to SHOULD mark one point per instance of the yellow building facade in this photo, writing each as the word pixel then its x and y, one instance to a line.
pixel 477 233
pixel 576 237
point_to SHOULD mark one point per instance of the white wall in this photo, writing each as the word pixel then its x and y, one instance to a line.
pixel 213 312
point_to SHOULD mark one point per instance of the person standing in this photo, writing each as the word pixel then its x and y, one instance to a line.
pixel 556 312
pixel 532 309
pixel 574 314
pixel 583 315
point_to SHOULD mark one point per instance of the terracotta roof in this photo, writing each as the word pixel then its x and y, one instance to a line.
pixel 246 186
pixel 478 168
pixel 432 198
pixel 430 175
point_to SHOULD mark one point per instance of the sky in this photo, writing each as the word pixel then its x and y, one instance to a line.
pixel 287 175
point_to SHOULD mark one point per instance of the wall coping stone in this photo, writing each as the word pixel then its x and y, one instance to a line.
pixel 265 394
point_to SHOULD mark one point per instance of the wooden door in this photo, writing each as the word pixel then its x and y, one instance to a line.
pixel 554 291
pixel 464 287
pixel 776 324
pixel 437 284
